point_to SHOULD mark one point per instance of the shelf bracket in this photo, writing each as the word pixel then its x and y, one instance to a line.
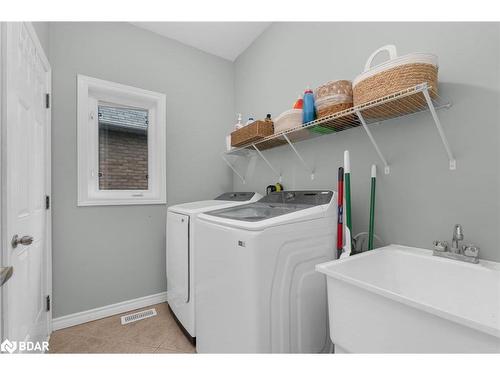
pixel 451 158
pixel 387 169
pixel 268 163
pixel 233 169
pixel 299 156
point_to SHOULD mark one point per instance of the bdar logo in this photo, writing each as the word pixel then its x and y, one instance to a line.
pixel 8 346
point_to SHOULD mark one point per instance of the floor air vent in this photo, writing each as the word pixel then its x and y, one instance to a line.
pixel 126 319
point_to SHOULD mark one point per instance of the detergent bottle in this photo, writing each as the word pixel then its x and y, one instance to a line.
pixel 299 103
pixel 309 112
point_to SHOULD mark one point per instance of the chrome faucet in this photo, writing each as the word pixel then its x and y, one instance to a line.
pixel 467 253
pixel 458 235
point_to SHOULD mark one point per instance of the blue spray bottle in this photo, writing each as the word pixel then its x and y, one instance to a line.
pixel 309 112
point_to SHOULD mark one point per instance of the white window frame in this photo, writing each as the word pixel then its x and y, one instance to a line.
pixel 90 92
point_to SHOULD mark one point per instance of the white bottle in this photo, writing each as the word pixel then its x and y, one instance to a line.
pixel 238 125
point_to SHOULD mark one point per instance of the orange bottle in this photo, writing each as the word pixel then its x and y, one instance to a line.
pixel 299 103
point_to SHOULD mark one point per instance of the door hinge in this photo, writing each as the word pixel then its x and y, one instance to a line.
pixel 47 100
pixel 47 303
pixel 47 202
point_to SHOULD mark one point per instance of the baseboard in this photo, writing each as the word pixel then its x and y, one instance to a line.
pixel 105 311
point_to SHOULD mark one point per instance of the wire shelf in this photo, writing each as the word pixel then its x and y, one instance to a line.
pixel 401 104
pixel 404 103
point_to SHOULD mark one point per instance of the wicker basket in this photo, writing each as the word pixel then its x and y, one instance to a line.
pixel 333 97
pixel 392 76
pixel 329 110
pixel 251 133
pixel 333 88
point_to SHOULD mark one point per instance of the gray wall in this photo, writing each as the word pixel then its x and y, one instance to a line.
pixel 104 255
pixel 421 199
pixel 42 31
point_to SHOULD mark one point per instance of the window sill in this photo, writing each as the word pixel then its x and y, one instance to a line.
pixel 121 202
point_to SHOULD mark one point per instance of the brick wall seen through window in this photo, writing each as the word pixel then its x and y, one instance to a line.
pixel 123 148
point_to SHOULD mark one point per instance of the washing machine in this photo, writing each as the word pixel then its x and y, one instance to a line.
pixel 181 245
pixel 256 286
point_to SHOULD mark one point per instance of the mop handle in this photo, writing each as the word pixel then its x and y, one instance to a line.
pixel 347 189
pixel 372 207
pixel 340 206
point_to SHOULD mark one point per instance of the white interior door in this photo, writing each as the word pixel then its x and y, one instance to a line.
pixel 1 184
pixel 26 182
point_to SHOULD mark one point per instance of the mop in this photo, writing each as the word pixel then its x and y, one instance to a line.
pixel 347 180
pixel 340 204
pixel 372 208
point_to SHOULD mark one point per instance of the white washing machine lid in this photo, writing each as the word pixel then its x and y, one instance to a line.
pixel 225 200
pixel 275 209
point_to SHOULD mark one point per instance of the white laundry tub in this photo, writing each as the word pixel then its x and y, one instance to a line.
pixel 399 299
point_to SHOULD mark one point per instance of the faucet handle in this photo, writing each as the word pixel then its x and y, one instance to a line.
pixel 470 250
pixel 458 232
pixel 440 245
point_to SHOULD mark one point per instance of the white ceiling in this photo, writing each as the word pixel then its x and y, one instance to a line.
pixel 224 39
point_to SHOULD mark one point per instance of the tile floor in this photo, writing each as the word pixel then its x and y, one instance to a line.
pixel 159 334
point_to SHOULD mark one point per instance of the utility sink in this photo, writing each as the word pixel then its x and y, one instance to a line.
pixel 399 299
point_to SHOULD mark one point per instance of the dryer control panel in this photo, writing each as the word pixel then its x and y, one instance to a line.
pixel 311 198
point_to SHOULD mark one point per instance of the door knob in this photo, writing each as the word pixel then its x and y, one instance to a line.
pixel 24 240
pixel 5 274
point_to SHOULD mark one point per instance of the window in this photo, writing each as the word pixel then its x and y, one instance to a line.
pixel 121 144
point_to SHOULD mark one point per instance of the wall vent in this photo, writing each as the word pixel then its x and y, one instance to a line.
pixel 126 319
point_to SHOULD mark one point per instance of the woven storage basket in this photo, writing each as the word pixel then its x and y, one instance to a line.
pixel 251 133
pixel 392 76
pixel 332 109
pixel 333 97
